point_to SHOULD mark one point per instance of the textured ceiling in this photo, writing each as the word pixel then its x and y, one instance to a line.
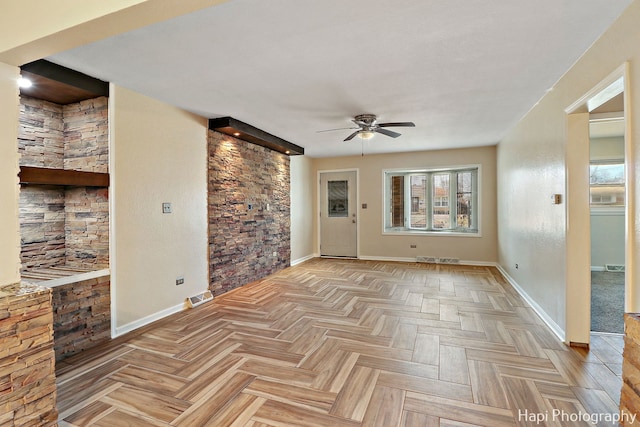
pixel 465 71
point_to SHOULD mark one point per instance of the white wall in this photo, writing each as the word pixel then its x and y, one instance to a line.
pixel 302 202
pixel 158 154
pixel 9 227
pixel 607 237
pixel 373 244
pixel 531 167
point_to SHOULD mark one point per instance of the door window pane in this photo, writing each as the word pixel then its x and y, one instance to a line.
pixel 338 199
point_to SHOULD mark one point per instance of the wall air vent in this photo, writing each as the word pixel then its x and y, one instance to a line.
pixel 199 299
pixel 436 260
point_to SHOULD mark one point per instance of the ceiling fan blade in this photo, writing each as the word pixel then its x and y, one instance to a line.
pixel 397 124
pixel 350 137
pixel 331 130
pixel 390 133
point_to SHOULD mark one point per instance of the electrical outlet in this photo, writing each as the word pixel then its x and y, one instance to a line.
pixel 166 208
pixel 179 280
pixel 516 266
pixel 414 246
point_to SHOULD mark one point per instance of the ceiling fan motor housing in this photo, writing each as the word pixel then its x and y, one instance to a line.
pixel 366 120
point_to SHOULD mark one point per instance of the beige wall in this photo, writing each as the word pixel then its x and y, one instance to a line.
pixel 9 228
pixel 531 167
pixel 302 203
pixel 158 154
pixel 373 244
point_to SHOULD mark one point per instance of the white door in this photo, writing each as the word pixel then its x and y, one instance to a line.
pixel 338 220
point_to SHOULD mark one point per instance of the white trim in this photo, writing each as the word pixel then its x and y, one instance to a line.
pixel 597 268
pixel 303 259
pixel 607 211
pixel 75 278
pixel 148 319
pixel 413 260
pixel 580 105
pixel 414 232
pixel 411 232
pixel 555 328
pixel 386 258
pixel 609 92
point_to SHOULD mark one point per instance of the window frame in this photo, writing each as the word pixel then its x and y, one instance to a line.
pixel 387 229
pixel 623 185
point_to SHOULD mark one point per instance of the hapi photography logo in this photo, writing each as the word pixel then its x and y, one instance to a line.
pixel 558 415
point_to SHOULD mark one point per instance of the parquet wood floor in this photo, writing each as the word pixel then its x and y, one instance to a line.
pixel 344 343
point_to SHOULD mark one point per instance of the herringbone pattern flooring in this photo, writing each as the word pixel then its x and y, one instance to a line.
pixel 343 343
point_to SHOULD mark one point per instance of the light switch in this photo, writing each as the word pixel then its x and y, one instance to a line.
pixel 166 208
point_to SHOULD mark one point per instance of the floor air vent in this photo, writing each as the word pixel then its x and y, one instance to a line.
pixel 436 260
pixel 201 298
pixel 613 267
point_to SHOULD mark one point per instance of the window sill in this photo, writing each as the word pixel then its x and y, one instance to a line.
pixel 405 232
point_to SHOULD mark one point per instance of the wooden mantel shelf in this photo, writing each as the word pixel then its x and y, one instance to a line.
pixel 48 176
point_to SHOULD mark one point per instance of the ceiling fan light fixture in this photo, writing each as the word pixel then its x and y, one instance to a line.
pixel 365 134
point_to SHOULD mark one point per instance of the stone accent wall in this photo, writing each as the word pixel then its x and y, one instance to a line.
pixel 630 396
pixel 81 315
pixel 87 227
pixel 86 135
pixel 74 137
pixel 40 133
pixel 27 364
pixel 243 241
pixel 42 226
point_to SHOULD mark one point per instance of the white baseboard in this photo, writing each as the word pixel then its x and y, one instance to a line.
pixel 385 258
pixel 555 328
pixel 303 259
pixel 405 259
pixel 147 319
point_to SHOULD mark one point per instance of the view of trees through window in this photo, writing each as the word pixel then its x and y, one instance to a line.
pixel 606 182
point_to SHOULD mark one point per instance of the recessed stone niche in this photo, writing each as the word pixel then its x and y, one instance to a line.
pixel 65 229
pixel 64 226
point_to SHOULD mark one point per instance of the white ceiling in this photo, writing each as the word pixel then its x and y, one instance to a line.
pixel 465 71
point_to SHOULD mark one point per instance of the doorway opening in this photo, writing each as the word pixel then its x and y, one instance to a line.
pixel 600 108
pixel 607 203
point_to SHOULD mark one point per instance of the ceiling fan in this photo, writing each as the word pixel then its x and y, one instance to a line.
pixel 368 125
